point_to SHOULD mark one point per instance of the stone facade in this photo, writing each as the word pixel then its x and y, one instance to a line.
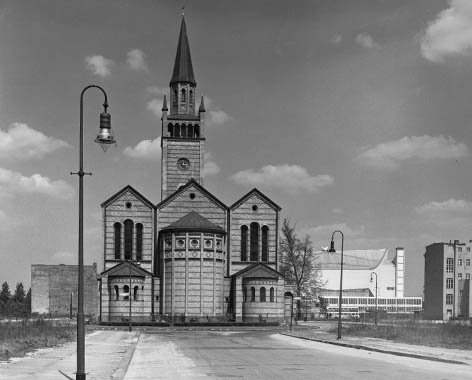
pixel 54 289
pixel 190 256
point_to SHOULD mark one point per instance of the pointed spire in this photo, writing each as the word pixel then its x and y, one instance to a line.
pixel 183 69
pixel 164 104
pixel 202 106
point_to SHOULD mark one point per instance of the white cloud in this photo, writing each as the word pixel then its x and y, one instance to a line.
pixel 366 41
pixel 389 155
pixel 293 179
pixel 155 106
pixel 324 232
pixel 451 206
pixel 14 182
pixel 210 167
pixel 20 142
pixel 136 60
pixel 336 39
pixel 450 33
pixel 145 150
pixel 214 114
pixel 99 65
pixel 157 90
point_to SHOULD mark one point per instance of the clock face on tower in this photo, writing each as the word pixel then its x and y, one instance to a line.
pixel 183 164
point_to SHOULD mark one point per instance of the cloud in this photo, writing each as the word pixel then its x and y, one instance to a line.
pixel 214 114
pixel 336 39
pixel 155 106
pixel 210 167
pixel 450 33
pixel 389 155
pixel 366 41
pixel 136 60
pixel 293 179
pixel 14 182
pixel 157 90
pixel 455 214
pixel 20 142
pixel 99 65
pixel 145 150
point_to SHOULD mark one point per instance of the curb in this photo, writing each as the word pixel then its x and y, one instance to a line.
pixel 367 348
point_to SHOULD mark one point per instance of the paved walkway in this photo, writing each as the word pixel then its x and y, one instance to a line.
pixel 446 355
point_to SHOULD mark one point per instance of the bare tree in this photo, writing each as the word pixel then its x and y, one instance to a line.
pixel 298 263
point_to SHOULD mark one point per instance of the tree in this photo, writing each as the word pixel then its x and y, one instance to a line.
pixel 298 263
pixel 19 300
pixel 5 299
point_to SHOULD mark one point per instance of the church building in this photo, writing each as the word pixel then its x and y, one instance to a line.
pixel 191 256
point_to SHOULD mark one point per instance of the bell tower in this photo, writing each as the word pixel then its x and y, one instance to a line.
pixel 183 131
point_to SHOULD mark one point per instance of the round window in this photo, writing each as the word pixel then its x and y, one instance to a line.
pixel 194 242
pixel 168 243
pixel 192 195
pixel 128 204
pixel 180 243
pixel 254 208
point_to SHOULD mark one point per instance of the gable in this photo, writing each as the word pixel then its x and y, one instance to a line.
pixel 128 193
pixel 255 194
pixel 258 271
pixel 192 197
pixel 126 269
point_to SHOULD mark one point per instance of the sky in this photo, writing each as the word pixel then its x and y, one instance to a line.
pixel 350 114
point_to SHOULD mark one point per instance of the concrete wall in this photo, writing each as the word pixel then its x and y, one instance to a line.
pixel 53 285
pixel 434 269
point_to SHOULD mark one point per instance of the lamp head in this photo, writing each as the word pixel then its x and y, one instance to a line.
pixel 331 248
pixel 105 138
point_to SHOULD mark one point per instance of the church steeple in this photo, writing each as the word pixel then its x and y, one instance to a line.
pixel 182 85
pixel 183 69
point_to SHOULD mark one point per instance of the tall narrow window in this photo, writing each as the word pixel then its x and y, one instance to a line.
pixel 196 131
pixel 128 239
pixel 177 130
pixel 265 243
pixel 126 292
pixel 139 242
pixel 254 247
pixel 263 294
pixel 184 95
pixel 243 243
pixel 449 265
pixel 135 293
pixel 183 130
pixel 253 294
pixel 245 294
pixel 117 293
pixel 117 239
pixel 271 294
pixel 170 130
pixel 190 131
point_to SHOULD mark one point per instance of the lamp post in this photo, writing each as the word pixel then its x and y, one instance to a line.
pixel 340 303
pixel 129 296
pixel 376 303
pixel 105 138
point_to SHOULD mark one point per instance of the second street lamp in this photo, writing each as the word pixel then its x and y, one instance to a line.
pixel 104 138
pixel 340 302
pixel 376 299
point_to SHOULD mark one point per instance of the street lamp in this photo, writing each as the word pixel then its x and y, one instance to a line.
pixel 129 296
pixel 340 303
pixel 105 138
pixel 376 303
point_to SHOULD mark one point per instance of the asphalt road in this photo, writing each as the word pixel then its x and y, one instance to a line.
pixel 247 354
pixel 264 355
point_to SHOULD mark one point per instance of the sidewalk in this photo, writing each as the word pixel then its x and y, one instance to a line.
pixel 446 355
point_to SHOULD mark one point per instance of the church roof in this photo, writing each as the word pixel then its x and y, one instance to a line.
pixel 366 259
pixel 194 221
pixel 258 270
pixel 126 269
pixel 183 69
pixel 261 195
pixel 124 190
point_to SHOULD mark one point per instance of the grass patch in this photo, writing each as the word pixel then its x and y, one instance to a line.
pixel 446 335
pixel 19 337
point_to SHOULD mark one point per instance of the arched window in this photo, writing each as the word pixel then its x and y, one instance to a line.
pixel 196 131
pixel 128 239
pixel 175 96
pixel 135 293
pixel 139 242
pixel 245 294
pixel 253 294
pixel 191 99
pixel 271 294
pixel 177 130
pixel 190 131
pixel 265 243
pixel 117 240
pixel 170 130
pixel 126 292
pixel 243 243
pixel 254 247
pixel 117 293
pixel 184 95
pixel 263 294
pixel 183 130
